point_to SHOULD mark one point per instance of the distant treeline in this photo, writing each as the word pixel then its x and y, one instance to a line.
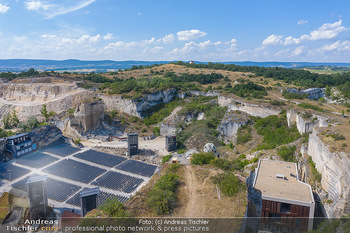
pixel 298 77
pixel 148 84
pixel 11 76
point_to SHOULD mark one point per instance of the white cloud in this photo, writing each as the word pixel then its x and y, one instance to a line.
pixel 20 39
pixel 298 51
pixel 120 45
pixel 272 40
pixel 38 5
pixel 109 36
pixel 291 40
pixel 302 21
pixel 168 38
pixel 4 9
pixel 190 34
pixel 326 31
pixel 84 39
pixel 48 36
pixel 204 45
pixel 53 10
pixel 337 46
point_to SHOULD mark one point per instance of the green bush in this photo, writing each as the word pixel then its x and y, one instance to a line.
pixel 169 181
pixel 161 201
pixel 114 208
pixel 202 158
pixel 287 153
pixel 228 183
pixel 166 158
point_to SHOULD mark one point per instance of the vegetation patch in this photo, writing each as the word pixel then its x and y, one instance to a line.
pixel 310 106
pixel 290 95
pixel 275 131
pixel 249 89
pixel 228 183
pixel 161 198
pixel 202 158
pixel 244 134
pixel 316 175
pixel 166 158
pixel 287 153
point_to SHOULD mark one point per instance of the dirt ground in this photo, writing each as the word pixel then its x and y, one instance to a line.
pixel 198 197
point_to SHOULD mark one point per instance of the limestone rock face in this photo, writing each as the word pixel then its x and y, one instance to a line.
pixel 88 116
pixel 305 125
pixel 210 147
pixel 335 170
pixel 47 134
pixel 137 107
pixel 231 122
pixel 252 109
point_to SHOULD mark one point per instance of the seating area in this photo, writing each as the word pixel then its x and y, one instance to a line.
pixel 137 167
pixel 11 172
pixel 100 158
pixel 75 170
pixel 56 190
pixel 63 150
pixel 102 198
pixel 36 160
pixel 118 181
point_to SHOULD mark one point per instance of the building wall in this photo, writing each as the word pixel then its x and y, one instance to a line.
pixel 274 212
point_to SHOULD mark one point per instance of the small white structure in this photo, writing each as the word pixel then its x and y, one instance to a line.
pixel 210 147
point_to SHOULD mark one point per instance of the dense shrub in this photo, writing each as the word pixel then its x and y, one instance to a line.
pixel 202 158
pixel 114 208
pixel 289 95
pixel 275 131
pixel 161 199
pixel 228 183
pixel 287 153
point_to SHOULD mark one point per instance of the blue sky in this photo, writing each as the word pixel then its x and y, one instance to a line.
pixel 230 30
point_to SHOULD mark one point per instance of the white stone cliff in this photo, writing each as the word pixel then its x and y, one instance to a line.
pixel 252 109
pixel 335 170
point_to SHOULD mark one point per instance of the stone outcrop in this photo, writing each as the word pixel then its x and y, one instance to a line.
pixel 137 107
pixel 252 109
pixel 231 122
pixel 45 135
pixel 210 147
pixel 88 116
pixel 305 125
pixel 335 170
pixel 27 99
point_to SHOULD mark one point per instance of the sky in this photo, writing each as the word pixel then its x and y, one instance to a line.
pixel 167 30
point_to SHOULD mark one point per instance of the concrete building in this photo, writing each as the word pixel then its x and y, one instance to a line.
pixel 286 201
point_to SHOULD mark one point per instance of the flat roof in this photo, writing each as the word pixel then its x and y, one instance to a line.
pixel 268 180
pixel 18 135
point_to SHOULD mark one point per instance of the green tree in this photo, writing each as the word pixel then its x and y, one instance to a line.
pixel 45 113
pixel 7 121
pixel 14 118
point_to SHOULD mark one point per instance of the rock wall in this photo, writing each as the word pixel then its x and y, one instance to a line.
pixel 252 109
pixel 88 116
pixel 335 170
pixel 137 107
pixel 27 109
pixel 305 125
pixel 231 122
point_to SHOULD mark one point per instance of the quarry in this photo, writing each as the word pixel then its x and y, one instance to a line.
pixel 82 125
